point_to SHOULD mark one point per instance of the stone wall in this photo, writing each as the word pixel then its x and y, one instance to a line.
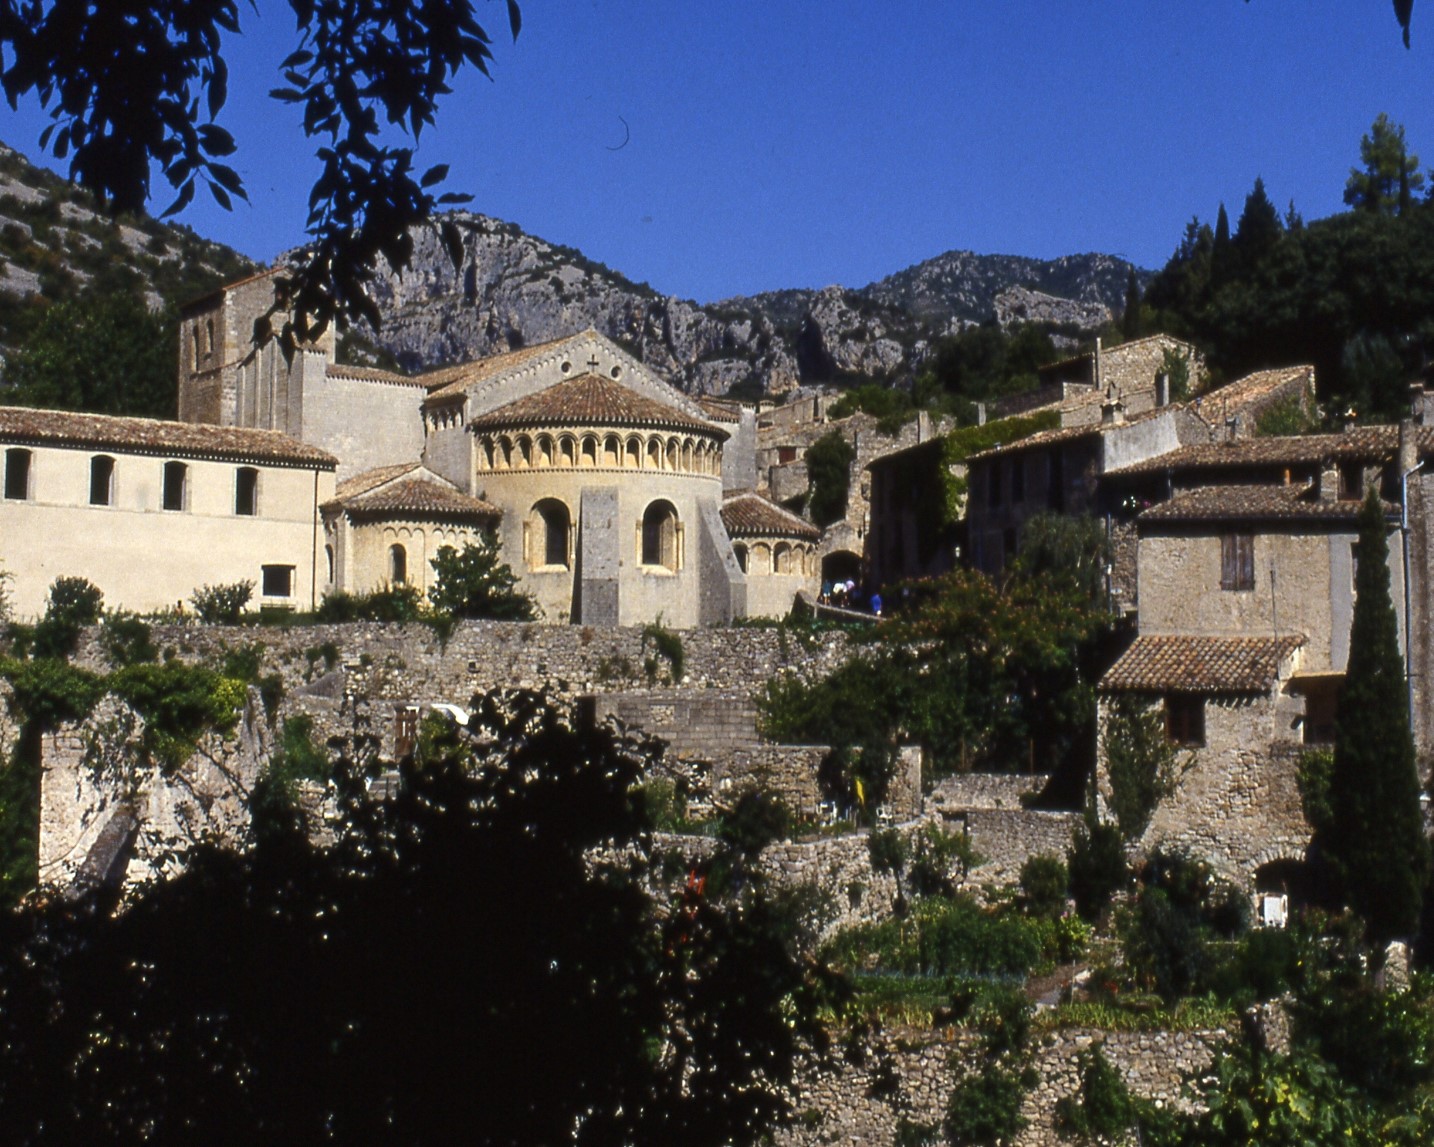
pixel 408 663
pixel 837 1103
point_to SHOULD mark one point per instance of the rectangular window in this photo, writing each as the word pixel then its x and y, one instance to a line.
pixel 17 475
pixel 1185 719
pixel 176 481
pixel 278 581
pixel 1237 562
pixel 102 480
pixel 1351 481
pixel 246 491
pixel 1018 479
pixel 993 484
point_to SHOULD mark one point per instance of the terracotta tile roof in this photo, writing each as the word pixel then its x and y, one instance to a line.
pixel 591 400
pixel 409 489
pixel 455 380
pixel 1365 443
pixel 372 374
pixel 747 514
pixel 1253 503
pixel 1200 664
pixel 153 436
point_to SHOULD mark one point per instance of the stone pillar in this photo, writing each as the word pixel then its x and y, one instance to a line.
pixel 597 548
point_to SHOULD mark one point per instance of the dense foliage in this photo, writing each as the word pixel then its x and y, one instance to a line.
pixel 829 461
pixel 362 992
pixel 1350 293
pixel 984 675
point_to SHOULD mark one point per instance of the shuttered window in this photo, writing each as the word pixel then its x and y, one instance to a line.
pixel 1237 561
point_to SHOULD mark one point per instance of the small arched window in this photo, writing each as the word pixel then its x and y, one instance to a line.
pixel 209 334
pixel 741 552
pixel 549 534
pixel 102 480
pixel 397 565
pixel 17 475
pixel 661 536
pixel 329 563
pixel 176 486
pixel 246 491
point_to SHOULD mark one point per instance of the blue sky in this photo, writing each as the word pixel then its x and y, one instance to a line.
pixel 798 144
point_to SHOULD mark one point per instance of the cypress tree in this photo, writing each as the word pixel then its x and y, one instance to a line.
pixel 1375 841
pixel 1220 259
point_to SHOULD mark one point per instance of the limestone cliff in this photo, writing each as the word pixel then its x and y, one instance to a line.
pixel 512 289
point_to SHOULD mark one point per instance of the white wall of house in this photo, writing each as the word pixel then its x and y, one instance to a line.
pixel 145 557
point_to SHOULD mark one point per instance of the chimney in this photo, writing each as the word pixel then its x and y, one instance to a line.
pixel 1097 379
pixel 1329 483
pixel 1408 446
pixel 1112 410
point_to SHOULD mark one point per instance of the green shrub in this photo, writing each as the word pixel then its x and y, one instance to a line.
pixel 1105 1106
pixel 73 603
pixel 757 819
pixel 935 854
pixel 474 582
pixel 666 645
pixel 1044 882
pixel 1097 868
pixel 985 1107
pixel 887 849
pixel 126 640
pixel 1141 761
pixel 222 604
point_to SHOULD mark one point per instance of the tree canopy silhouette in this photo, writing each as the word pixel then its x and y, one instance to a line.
pixel 478 960
pixel 134 83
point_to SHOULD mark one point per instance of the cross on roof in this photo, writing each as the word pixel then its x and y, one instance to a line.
pixel 593 363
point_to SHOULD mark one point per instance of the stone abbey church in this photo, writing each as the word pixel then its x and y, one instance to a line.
pixel 618 500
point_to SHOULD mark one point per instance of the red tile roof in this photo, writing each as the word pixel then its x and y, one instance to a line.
pixel 591 400
pixel 152 436
pixel 1364 443
pixel 751 515
pixel 1200 664
pixel 408 489
pixel 1253 503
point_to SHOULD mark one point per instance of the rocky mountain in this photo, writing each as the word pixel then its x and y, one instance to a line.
pixel 513 289
pixel 55 241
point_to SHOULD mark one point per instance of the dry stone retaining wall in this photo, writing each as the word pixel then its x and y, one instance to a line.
pixel 837 1103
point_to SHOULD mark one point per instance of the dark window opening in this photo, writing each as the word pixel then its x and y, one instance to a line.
pixel 397 565
pixel 552 522
pixel 659 536
pixel 993 484
pixel 1185 719
pixel 246 491
pixel 102 481
pixel 278 581
pixel 17 475
pixel 1237 562
pixel 741 552
pixel 176 481
pixel 1351 482
pixel 1018 480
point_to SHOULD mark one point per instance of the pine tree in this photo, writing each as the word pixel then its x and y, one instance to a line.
pixel 1375 842
pixel 1390 173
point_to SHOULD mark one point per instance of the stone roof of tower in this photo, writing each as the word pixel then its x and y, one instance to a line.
pixel 154 436
pixel 591 400
pixel 747 514
pixel 1200 664
pixel 407 489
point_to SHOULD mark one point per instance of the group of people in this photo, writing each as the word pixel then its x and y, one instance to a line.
pixel 845 595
